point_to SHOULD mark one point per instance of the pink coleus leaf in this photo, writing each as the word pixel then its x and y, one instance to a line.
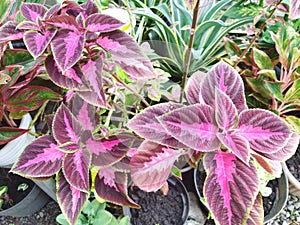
pixel 225 78
pixel 237 144
pixel 147 126
pixel 32 11
pixel 287 151
pixel 53 10
pixel 70 200
pixel 66 127
pixel 193 126
pixel 63 21
pixel 8 134
pixel 67 48
pixel 91 98
pixel 151 165
pixel 256 216
pixel 41 158
pixel 108 151
pixel 193 87
pixel 265 131
pixel 230 187
pixel 36 42
pixel 294 9
pixel 72 78
pixel 8 32
pixel 226 113
pixel 76 169
pixel 112 186
pixel 28 25
pixel 89 8
pixel 102 23
pixel 92 71
pixel 127 54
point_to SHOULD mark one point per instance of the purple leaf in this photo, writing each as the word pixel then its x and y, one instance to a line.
pixel 66 127
pixel 111 150
pixel 72 79
pixel 294 9
pixel 50 12
pixel 89 8
pixel 237 144
pixel 41 158
pixel 91 98
pixel 287 151
pixel 27 25
pixel 194 126
pixel 76 169
pixel 64 21
pixel 127 54
pixel 70 199
pixel 146 124
pixel 102 23
pixel 67 48
pixel 112 186
pixel 256 215
pixel 193 87
pixel 92 71
pixel 265 131
pixel 9 32
pixel 36 42
pixel 32 11
pixel 230 187
pixel 151 165
pixel 226 113
pixel 227 79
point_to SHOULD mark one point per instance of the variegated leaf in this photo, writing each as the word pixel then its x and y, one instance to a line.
pixel 76 169
pixel 256 216
pixel 64 21
pixel 92 71
pixel 91 98
pixel 226 113
pixel 287 151
pixel 127 54
pixel 8 32
pixel 147 126
pixel 66 127
pixel 151 165
pixel 67 48
pixel 193 126
pixel 230 188
pixel 36 42
pixel 41 158
pixel 8 134
pixel 108 151
pixel 294 9
pixel 227 79
pixel 28 25
pixel 265 131
pixel 271 166
pixel 193 87
pixel 102 23
pixel 70 200
pixel 50 12
pixel 32 11
pixel 112 186
pixel 89 8
pixel 72 79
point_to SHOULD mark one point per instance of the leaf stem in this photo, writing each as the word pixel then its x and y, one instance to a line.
pixel 256 35
pixel 189 50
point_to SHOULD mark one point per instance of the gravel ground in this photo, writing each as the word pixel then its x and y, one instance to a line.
pixel 46 216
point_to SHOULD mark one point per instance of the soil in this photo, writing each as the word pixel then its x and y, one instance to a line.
pixel 294 164
pixel 12 181
pixel 157 208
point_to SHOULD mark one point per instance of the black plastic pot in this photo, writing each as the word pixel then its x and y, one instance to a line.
pixel 281 193
pixel 175 184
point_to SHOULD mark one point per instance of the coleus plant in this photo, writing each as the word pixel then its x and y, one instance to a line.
pixel 218 125
pixel 83 159
pixel 77 44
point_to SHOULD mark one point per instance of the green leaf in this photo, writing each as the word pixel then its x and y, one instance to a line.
pixel 61 219
pixel 105 218
pixel 124 221
pixel 232 48
pixel 293 92
pixel 240 10
pixel 8 134
pixel 12 56
pixel 259 86
pixel 295 122
pixel 4 6
pixel 268 73
pixel 97 206
pixel 176 172
pixel 262 60
pixel 275 88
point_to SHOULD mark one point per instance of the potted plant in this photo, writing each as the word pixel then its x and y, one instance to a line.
pixel 17 193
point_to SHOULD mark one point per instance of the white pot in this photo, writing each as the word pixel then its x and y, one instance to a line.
pixel 13 149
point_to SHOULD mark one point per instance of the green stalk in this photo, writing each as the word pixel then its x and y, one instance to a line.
pixel 187 60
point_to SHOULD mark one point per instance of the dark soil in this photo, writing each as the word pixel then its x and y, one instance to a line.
pixel 294 164
pixel 156 208
pixel 12 181
pixel 269 201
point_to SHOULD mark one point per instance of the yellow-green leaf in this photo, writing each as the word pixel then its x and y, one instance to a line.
pixel 262 60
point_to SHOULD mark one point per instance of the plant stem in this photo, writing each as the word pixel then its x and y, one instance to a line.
pixel 256 35
pixel 189 50
pixel 129 88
